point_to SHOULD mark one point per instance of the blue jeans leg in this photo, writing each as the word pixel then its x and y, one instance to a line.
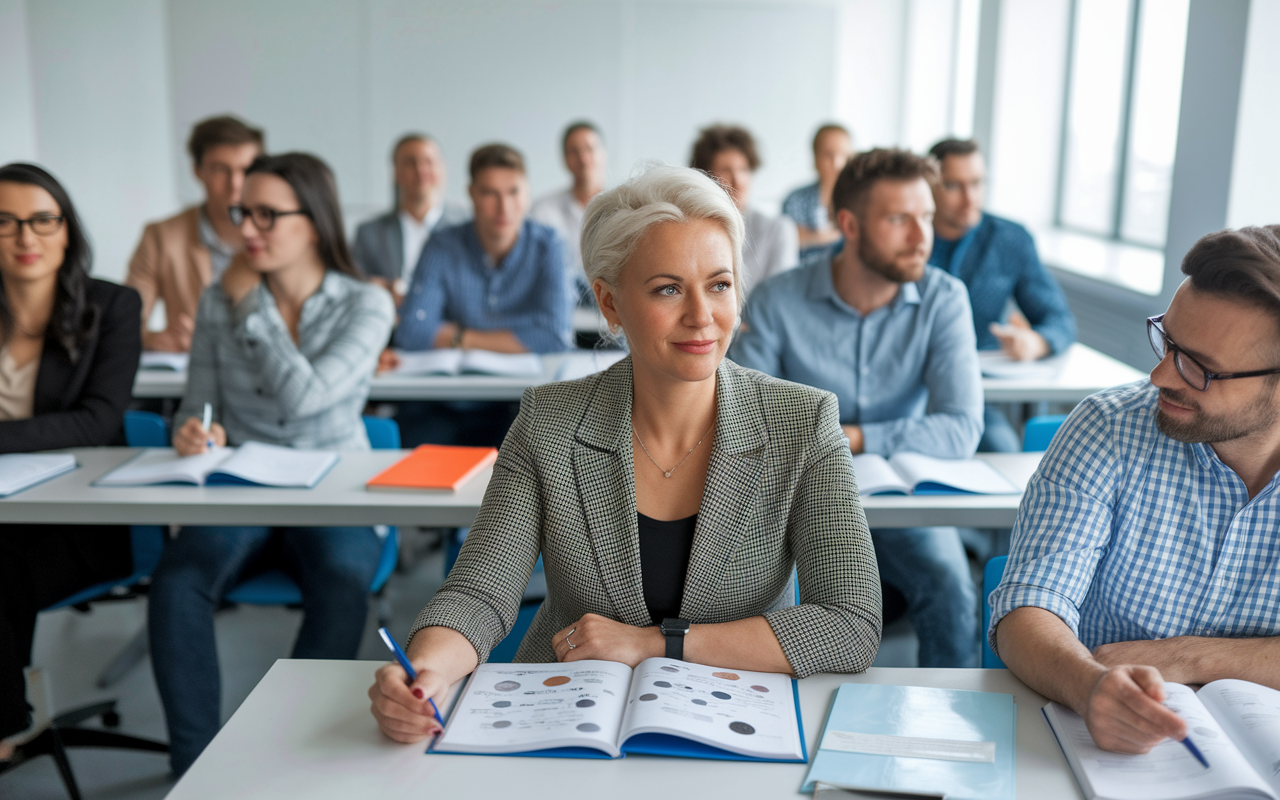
pixel 998 435
pixel 928 566
pixel 333 567
pixel 195 571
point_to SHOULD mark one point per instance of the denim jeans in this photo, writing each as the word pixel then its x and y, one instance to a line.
pixel 998 435
pixel 929 567
pixel 332 566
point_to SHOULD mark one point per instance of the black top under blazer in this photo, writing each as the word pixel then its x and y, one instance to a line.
pixel 82 404
pixel 780 492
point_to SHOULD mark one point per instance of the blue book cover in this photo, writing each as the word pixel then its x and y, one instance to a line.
pixel 918 739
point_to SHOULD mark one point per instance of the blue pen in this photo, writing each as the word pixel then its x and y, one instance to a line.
pixel 1195 751
pixel 394 647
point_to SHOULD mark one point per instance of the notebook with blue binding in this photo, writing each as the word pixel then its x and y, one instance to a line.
pixel 914 473
pixel 250 464
pixel 604 709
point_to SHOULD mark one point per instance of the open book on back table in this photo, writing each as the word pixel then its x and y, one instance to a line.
pixel 604 709
pixel 1236 725
pixel 250 464
pixel 912 473
pixel 452 361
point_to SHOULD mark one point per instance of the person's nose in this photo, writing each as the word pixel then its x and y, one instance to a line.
pixel 1165 374
pixel 26 235
pixel 698 310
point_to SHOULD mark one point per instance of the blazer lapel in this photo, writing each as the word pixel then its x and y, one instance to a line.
pixel 730 495
pixel 394 241
pixel 605 476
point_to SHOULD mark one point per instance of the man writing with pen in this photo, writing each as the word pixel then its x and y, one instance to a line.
pixel 1146 548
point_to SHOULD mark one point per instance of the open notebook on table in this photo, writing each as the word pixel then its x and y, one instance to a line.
pixel 995 364
pixel 250 464
pixel 604 709
pixel 1236 725
pixel 20 471
pixel 912 473
pixel 450 361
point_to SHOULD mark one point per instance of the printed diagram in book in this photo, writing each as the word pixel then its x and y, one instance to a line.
pixel 720 701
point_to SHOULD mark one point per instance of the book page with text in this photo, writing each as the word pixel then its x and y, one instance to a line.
pixel 875 476
pixel 272 465
pixel 1250 714
pixel 487 362
pixel 428 362
pixel 926 473
pixel 163 465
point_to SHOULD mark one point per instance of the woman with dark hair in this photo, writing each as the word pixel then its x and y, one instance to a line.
pixel 284 348
pixel 69 349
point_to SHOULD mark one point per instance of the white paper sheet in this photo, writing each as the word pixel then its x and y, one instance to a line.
pixel 20 470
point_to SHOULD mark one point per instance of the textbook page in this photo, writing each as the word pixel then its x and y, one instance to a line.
pixel 1250 714
pixel 515 365
pixel 515 708
pixel 929 475
pixel 875 476
pixel 428 362
pixel 271 465
pixel 1168 771
pixel 581 363
pixel 163 465
pixel 749 713
pixel 995 364
pixel 21 470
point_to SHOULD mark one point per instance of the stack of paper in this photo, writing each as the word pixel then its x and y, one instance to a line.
pixel 19 471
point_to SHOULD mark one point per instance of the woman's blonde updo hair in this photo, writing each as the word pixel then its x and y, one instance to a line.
pixel 618 219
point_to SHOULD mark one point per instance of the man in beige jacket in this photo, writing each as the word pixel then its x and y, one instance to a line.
pixel 178 257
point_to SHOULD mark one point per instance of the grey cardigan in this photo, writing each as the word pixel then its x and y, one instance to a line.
pixel 265 388
pixel 780 492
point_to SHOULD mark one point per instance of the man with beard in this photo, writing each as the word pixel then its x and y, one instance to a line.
pixel 893 339
pixel 1146 547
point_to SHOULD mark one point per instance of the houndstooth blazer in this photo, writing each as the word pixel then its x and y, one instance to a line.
pixel 780 492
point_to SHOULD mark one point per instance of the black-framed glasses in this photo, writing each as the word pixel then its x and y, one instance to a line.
pixel 1193 372
pixel 263 217
pixel 40 224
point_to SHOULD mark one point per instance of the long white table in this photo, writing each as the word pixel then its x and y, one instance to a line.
pixel 1084 371
pixel 341 499
pixel 306 731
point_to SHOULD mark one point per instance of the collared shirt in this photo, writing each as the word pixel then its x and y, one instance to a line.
pixel 561 212
pixel 264 387
pixel 804 206
pixel 220 253
pixel 1127 534
pixel 415 235
pixel 907 373
pixel 457 281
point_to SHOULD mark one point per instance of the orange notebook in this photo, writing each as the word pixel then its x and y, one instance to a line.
pixel 433 467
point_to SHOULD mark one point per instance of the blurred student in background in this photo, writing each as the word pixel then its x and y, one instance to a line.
pixel 728 153
pixel 564 210
pixel 810 206
pixel 178 257
pixel 284 349
pixel 388 246
pixel 69 349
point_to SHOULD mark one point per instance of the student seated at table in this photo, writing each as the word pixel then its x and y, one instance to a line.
pixel 497 283
pixel 565 209
pixel 178 257
pixel 809 206
pixel 69 348
pixel 1146 548
pixel 674 490
pixel 388 246
pixel 284 349
pixel 728 154
pixel 892 338
pixel 996 258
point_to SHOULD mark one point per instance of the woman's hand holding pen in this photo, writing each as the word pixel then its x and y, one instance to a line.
pixel 441 657
pixel 193 438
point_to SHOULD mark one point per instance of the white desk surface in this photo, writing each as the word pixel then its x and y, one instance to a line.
pixel 341 499
pixel 1084 371
pixel 306 731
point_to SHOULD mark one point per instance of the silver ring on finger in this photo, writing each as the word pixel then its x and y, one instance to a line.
pixel 566 638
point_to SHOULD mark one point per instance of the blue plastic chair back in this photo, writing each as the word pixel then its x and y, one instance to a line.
pixel 505 652
pixel 1039 432
pixel 383 433
pixel 145 429
pixel 991 575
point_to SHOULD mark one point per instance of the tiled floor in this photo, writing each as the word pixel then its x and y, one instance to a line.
pixel 72 648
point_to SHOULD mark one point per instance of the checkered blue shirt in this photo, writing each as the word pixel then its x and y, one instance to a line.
pixel 1128 535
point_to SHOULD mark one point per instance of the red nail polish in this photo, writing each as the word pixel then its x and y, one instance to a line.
pixel 418 694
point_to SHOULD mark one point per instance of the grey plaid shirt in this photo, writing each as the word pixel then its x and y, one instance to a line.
pixel 780 492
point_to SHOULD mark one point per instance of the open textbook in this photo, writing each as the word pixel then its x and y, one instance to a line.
pixel 450 361
pixel 1236 725
pixel 912 473
pixel 250 464
pixel 604 709
pixel 995 364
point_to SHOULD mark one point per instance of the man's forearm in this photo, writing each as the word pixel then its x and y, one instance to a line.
pixel 499 341
pixel 1043 652
pixel 1201 659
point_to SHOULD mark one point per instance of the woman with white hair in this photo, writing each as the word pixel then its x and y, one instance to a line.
pixel 670 496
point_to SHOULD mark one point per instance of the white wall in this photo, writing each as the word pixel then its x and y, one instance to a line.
pixel 1254 199
pixel 18 120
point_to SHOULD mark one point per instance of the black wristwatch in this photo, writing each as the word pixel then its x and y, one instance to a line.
pixel 674 630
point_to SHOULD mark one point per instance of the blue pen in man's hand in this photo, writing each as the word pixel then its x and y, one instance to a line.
pixel 394 647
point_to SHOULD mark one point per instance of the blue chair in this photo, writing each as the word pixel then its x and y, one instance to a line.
pixel 275 588
pixel 1039 431
pixel 991 575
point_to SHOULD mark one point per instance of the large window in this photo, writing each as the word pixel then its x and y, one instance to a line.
pixel 1124 83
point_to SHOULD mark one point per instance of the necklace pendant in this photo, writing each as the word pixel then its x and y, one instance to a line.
pixel 666 474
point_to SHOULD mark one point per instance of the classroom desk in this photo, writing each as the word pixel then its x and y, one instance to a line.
pixel 306 731
pixel 341 499
pixel 1084 371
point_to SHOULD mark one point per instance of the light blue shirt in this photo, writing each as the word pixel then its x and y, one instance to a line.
pixel 1127 535
pixel 907 373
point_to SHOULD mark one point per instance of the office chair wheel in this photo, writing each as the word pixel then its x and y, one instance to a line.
pixel 111 719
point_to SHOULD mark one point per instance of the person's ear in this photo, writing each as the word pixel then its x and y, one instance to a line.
pixel 847 222
pixel 606 301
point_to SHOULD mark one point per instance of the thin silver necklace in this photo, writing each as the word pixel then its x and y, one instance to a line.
pixel 666 473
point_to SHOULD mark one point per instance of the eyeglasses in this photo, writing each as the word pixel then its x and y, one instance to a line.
pixel 41 225
pixel 1192 371
pixel 263 217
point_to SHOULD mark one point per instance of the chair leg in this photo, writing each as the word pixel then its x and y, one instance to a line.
pixel 50 743
pixel 133 652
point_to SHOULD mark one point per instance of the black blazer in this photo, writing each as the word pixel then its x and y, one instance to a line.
pixel 83 404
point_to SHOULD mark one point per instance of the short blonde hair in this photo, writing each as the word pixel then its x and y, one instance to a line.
pixel 617 219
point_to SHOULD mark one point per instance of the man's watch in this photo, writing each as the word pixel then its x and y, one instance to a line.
pixel 674 630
